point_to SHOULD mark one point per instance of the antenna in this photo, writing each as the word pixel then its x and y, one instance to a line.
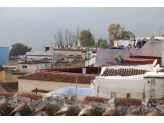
pixel 136 41
pixel 152 35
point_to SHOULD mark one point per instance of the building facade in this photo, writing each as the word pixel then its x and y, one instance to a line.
pixel 4 55
pixel 31 67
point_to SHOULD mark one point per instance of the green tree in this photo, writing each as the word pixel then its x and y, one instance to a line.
pixel 19 49
pixel 99 41
pixel 103 43
pixel 116 32
pixel 86 38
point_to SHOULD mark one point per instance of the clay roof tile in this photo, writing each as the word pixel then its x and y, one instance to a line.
pixel 44 107
pixel 30 95
pixel 4 108
pixel 23 109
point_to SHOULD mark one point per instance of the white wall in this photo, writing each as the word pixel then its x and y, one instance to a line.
pixel 91 61
pixel 162 54
pixel 136 86
pixel 28 85
pixel 50 48
pixel 62 53
pixel 31 68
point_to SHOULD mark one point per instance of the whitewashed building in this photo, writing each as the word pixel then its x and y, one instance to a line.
pixel 32 66
pixel 45 54
pixel 147 85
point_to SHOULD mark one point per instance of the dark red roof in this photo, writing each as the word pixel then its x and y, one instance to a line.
pixel 14 57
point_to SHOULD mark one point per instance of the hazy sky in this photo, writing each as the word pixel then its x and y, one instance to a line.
pixel 36 26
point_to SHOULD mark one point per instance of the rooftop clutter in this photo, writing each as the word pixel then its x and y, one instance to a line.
pixel 28 104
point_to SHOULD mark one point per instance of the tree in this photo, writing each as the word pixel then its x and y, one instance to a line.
pixel 66 37
pixel 116 32
pixel 103 43
pixel 99 41
pixel 86 38
pixel 59 38
pixel 19 49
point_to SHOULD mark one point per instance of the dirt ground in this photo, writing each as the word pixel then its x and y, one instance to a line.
pixel 11 84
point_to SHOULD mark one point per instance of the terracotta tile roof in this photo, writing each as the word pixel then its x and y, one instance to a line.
pixel 23 109
pixel 59 77
pixel 68 110
pixel 111 112
pixel 10 87
pixel 133 113
pixel 41 90
pixel 154 113
pixel 128 101
pixel 6 94
pixel 50 104
pixel 30 95
pixel 123 72
pixel 4 108
pixel 1 68
pixel 119 64
pixel 44 107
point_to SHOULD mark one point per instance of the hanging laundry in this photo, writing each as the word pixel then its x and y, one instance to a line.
pixel 126 43
pixel 115 43
pixel 108 42
pixel 111 41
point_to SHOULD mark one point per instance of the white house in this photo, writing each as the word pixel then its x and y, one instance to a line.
pixel 138 86
pixel 32 66
pixel 45 54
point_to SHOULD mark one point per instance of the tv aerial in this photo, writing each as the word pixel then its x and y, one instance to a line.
pixel 152 35
pixel 136 41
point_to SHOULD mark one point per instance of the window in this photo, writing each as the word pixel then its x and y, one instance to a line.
pixel 113 94
pixel 128 95
pixel 47 48
pixel 24 66
pixel 88 55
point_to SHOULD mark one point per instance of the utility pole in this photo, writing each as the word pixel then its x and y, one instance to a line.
pixel 159 31
pixel 134 33
pixel 76 87
pixel 88 56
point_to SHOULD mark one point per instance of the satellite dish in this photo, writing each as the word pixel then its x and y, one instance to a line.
pixel 115 57
pixel 155 62
pixel 152 35
pixel 120 53
pixel 136 41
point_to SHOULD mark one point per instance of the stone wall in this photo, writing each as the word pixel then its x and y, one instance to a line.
pixel 2 76
pixel 8 76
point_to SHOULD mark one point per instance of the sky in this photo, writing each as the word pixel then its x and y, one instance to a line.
pixel 35 26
